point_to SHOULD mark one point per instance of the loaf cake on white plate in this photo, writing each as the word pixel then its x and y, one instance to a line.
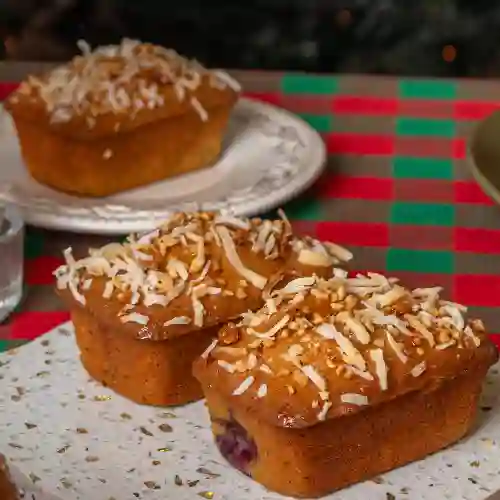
pixel 121 117
pixel 336 381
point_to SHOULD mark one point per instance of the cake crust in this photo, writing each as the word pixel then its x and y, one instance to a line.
pixel 146 372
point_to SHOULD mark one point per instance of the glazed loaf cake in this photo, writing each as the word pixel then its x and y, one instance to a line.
pixel 8 491
pixel 336 381
pixel 143 311
pixel 120 117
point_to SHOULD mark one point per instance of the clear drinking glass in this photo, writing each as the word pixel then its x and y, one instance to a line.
pixel 11 259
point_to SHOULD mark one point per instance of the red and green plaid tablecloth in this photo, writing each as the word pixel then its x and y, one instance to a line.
pixel 396 190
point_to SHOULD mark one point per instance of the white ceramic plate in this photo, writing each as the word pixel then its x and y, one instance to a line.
pixel 46 396
pixel 269 156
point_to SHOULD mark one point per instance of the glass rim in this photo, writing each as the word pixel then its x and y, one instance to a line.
pixel 13 215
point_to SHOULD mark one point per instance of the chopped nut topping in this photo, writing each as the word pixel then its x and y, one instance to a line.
pixel 155 269
pixel 315 351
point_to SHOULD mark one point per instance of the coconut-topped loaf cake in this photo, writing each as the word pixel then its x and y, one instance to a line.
pixel 144 310
pixel 336 381
pixel 120 117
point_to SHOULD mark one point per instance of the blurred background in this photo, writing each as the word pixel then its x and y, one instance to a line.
pixel 404 37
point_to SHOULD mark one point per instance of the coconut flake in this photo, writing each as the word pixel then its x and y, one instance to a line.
pixel 234 259
pixel 293 354
pixel 178 268
pixel 198 107
pixel 134 299
pixel 264 232
pixel 86 284
pixel 271 306
pixel 209 349
pixel 309 257
pixel 390 297
pixel 360 332
pixel 244 386
pixel 203 274
pixel 359 373
pixel 227 366
pixel 469 333
pixel 76 294
pixel 108 290
pixel 350 354
pixel 142 256
pixel 457 320
pixel 427 293
pixel 140 319
pixel 377 356
pixel 265 369
pixel 198 311
pixel 417 370
pixel 310 372
pixel 366 285
pixel 262 391
pixel 227 80
pixel 341 253
pixel 322 414
pixel 178 320
pixel 297 285
pixel 420 328
pixel 147 238
pixel 151 299
pixel 377 317
pixel 326 331
pixel 398 351
pixel 231 221
pixel 272 331
pixel 354 399
pixel 340 273
pixel 198 262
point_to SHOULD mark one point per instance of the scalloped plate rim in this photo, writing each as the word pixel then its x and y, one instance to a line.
pixel 145 219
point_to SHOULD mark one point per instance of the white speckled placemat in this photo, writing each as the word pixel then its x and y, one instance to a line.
pixel 76 440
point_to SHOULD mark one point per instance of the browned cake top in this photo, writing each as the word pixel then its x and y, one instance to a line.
pixel 130 77
pixel 322 348
pixel 196 270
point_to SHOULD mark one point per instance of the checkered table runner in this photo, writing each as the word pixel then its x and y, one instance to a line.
pixel 396 190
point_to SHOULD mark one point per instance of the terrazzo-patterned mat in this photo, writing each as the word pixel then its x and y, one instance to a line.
pixel 71 439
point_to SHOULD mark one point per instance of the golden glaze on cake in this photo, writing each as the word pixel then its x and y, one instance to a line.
pixel 195 272
pixel 314 378
pixel 120 117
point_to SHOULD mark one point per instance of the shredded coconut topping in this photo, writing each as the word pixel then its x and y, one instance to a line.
pixel 363 331
pixel 204 257
pixel 129 77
